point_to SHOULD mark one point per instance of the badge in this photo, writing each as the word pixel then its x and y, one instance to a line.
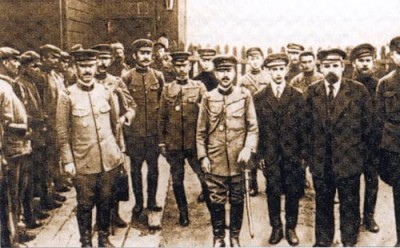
pixel 84 124
pixel 221 127
pixel 178 108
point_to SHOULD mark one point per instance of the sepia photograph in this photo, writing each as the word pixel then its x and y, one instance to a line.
pixel 199 123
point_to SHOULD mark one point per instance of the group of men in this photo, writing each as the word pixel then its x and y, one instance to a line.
pixel 67 116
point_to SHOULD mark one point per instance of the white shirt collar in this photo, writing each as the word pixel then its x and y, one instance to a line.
pixel 275 87
pixel 336 87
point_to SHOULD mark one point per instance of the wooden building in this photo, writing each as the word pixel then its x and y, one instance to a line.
pixel 27 24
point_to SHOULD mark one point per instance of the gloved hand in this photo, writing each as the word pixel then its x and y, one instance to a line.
pixel 163 151
pixel 70 169
pixel 244 155
pixel 205 165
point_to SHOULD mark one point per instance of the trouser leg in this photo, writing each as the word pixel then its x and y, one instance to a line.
pixel 152 173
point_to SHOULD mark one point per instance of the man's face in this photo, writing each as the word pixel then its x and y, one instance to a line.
pixel 395 55
pixel 143 57
pixel 63 65
pixel 206 64
pixel 255 61
pixel 225 76
pixel 332 71
pixel 364 65
pixel 278 73
pixel 103 62
pixel 12 66
pixel 293 56
pixel 86 70
pixel 119 55
pixel 159 53
pixel 182 70
pixel 51 60
pixel 307 63
pixel 32 68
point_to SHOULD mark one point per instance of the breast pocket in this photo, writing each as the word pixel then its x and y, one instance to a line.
pixel 237 108
pixel 81 116
pixel 105 109
pixel 391 102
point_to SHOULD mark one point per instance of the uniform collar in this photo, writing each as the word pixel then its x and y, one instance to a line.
pixel 85 86
pixel 142 69
pixel 224 91
pixel 182 82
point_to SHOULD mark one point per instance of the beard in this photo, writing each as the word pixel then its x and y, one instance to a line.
pixel 331 78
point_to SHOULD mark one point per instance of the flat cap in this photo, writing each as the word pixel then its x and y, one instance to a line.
pixel 103 49
pixel 224 61
pixel 334 54
pixel 180 57
pixel 84 55
pixel 276 59
pixel 294 46
pixel 307 53
pixel 28 57
pixel 207 52
pixel 76 47
pixel 142 43
pixel 117 45
pixel 48 48
pixel 394 44
pixel 362 50
pixel 65 56
pixel 253 51
pixel 8 52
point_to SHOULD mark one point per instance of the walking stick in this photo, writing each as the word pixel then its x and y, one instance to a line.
pixel 248 206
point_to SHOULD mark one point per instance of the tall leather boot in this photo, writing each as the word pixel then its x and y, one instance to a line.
pixel 85 227
pixel 151 196
pixel 138 192
pixel 236 217
pixel 118 221
pixel 103 239
pixel 103 224
pixel 217 212
pixel 179 192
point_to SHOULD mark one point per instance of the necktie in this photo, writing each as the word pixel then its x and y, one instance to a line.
pixel 278 92
pixel 330 99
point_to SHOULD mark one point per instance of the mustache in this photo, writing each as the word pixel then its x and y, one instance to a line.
pixel 225 78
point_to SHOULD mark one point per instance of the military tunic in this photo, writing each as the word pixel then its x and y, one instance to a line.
pixel 303 80
pixel 255 82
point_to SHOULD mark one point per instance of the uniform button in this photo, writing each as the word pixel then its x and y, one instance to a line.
pixel 98 128
pixel 96 116
pixel 227 143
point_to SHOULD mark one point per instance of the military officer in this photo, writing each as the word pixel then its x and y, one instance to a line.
pixel 227 136
pixel 124 103
pixel 388 110
pixel 255 80
pixel 118 65
pixel 309 73
pixel 177 129
pixel 145 85
pixel 281 116
pixel 293 50
pixel 339 118
pixel 207 75
pixel 87 127
pixel 363 59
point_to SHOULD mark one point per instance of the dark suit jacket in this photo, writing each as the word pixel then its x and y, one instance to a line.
pixel 351 127
pixel 282 140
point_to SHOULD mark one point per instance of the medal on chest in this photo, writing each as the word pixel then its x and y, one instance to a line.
pixel 177 108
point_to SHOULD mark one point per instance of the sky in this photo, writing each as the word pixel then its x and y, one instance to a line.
pixel 274 23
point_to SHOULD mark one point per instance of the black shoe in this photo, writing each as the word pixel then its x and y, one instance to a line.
pixel 397 244
pixel 138 215
pixel 370 224
pixel 40 215
pixel 24 236
pixel 33 224
pixel 120 223
pixel 234 241
pixel 201 197
pixel 59 197
pixel 49 204
pixel 219 242
pixel 291 237
pixel 253 192
pixel 348 244
pixel 276 236
pixel 154 208
pixel 103 240
pixel 184 219
pixel 321 245
pixel 62 188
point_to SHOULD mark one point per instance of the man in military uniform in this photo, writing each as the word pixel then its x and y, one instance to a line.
pixel 227 136
pixel 15 144
pixel 162 62
pixel 255 80
pixel 388 115
pixel 281 117
pixel 293 50
pixel 207 75
pixel 118 65
pixel 122 98
pixel 65 60
pixel 363 59
pixel 145 85
pixel 309 73
pixel 339 119
pixel 50 85
pixel 179 108
pixel 87 127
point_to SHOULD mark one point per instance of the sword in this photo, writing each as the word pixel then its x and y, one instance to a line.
pixel 248 205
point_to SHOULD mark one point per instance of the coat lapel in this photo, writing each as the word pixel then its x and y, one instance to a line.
pixel 320 101
pixel 271 99
pixel 341 101
pixel 284 101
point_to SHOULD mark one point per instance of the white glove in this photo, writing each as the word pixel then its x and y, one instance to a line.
pixel 70 169
pixel 206 165
pixel 244 155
